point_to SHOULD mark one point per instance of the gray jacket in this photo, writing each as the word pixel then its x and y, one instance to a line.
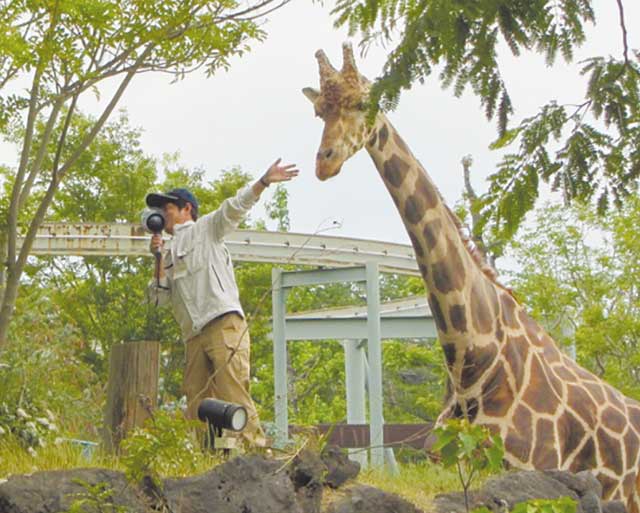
pixel 199 280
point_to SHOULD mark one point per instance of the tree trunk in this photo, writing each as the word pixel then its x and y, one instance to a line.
pixel 132 391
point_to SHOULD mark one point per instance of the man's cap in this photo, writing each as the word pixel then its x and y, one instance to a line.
pixel 159 199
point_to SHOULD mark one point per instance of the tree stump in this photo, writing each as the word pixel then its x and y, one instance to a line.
pixel 132 390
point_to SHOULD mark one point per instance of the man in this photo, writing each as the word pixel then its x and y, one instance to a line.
pixel 196 276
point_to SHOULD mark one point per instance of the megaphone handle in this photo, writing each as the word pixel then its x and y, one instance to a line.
pixel 158 255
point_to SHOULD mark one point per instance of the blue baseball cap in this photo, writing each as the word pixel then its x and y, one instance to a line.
pixel 159 199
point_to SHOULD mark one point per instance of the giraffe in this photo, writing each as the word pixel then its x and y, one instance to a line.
pixel 506 373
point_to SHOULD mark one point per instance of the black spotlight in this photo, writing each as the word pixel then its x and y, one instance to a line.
pixel 221 415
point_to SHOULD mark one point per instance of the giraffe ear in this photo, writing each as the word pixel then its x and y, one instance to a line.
pixel 311 93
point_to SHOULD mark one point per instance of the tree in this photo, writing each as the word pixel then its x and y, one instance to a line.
pixel 66 49
pixel 579 274
pixel 588 151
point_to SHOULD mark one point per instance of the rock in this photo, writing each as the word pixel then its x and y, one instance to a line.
pixel 581 483
pixel 45 492
pixel 613 507
pixel 307 474
pixel 366 499
pixel 590 503
pixel 339 467
pixel 247 484
pixel 502 493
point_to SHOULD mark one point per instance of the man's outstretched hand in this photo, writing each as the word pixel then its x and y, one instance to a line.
pixel 279 173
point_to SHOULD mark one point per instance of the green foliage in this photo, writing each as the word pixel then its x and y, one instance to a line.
pixel 471 448
pixel 589 151
pixel 278 208
pixel 30 426
pixel 597 161
pixel 45 370
pixel 579 275
pixel 463 39
pixel 97 498
pixel 164 446
pixel 67 48
pixel 560 505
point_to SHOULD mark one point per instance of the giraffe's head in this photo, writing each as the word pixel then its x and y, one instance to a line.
pixel 341 103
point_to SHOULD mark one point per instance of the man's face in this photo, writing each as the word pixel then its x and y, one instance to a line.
pixel 174 215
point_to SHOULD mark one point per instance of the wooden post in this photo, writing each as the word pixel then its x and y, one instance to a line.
pixel 132 389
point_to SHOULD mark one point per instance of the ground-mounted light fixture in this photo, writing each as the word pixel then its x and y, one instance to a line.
pixel 221 415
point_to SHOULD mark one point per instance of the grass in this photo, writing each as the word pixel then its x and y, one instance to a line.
pixel 418 483
pixel 14 460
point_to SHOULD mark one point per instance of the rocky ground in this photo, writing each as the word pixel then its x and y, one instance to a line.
pixel 307 483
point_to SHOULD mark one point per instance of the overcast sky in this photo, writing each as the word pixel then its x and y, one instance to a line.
pixel 256 112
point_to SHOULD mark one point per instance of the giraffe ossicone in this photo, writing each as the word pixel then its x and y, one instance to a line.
pixel 506 373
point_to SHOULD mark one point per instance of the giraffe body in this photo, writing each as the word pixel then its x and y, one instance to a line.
pixel 506 372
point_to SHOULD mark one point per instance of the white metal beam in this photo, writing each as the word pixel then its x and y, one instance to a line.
pixel 116 239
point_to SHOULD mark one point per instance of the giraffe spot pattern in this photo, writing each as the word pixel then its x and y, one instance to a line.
pixel 441 322
pixel 614 397
pixel 610 452
pixel 631 445
pixel 613 419
pixel 508 311
pixel 580 372
pixel 554 381
pixel 518 440
pixel 539 394
pixel 595 390
pixel 469 411
pixel 426 190
pixel 549 350
pixel 581 403
pixel 431 231
pixel 497 395
pixel 449 354
pixel 586 457
pixel 475 363
pixel 570 434
pixel 383 136
pixel 414 209
pixel 395 170
pixel 628 485
pixel 417 247
pixel 481 313
pixel 634 417
pixel 424 271
pixel 609 485
pixel 372 140
pixel 565 374
pixel 531 327
pixel 400 143
pixel 499 334
pixel 458 317
pixel 515 353
pixel 449 274
pixel 544 454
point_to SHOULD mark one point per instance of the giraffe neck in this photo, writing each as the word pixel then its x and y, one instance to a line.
pixel 463 301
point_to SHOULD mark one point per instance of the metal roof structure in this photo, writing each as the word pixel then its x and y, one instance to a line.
pixel 121 239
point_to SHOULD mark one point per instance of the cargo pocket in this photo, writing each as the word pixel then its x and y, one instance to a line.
pixel 235 333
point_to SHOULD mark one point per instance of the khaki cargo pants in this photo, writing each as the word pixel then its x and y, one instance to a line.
pixel 218 366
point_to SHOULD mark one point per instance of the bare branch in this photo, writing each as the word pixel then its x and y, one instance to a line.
pixel 63 136
pixel 42 150
pixel 105 115
pixel 625 42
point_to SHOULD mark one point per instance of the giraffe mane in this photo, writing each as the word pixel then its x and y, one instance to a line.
pixel 477 255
